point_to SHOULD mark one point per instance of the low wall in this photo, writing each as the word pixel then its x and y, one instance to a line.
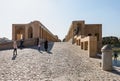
pixel 27 43
pixel 6 45
pixel 90 44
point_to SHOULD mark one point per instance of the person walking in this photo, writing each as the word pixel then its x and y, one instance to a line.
pixel 46 45
pixel 39 45
pixel 115 56
pixel 37 41
pixel 15 48
pixel 21 43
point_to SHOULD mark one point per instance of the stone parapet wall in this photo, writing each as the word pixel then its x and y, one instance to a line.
pixel 6 45
pixel 89 44
pixel 27 43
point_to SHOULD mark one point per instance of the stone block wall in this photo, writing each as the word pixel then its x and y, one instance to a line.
pixel 88 36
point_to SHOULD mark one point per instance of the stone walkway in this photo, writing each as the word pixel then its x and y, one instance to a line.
pixel 65 62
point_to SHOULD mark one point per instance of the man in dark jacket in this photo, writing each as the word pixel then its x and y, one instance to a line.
pixel 46 45
pixel 21 43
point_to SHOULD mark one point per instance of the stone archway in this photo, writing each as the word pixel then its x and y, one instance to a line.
pixel 20 33
pixel 30 32
pixel 86 45
pixel 97 35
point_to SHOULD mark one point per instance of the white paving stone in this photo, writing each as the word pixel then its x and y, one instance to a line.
pixel 65 62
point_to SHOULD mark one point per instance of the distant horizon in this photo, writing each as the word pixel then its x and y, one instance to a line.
pixel 57 16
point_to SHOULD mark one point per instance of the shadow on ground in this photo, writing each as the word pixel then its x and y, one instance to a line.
pixel 42 49
pixel 116 63
pixel 116 72
pixel 116 67
pixel 14 57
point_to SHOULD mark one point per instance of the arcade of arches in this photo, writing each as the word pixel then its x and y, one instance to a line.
pixel 87 36
pixel 32 30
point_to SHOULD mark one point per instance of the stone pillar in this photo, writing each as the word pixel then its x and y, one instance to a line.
pixel 92 46
pixel 26 32
pixel 107 57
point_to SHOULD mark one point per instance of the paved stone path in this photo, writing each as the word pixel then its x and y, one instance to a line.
pixel 65 62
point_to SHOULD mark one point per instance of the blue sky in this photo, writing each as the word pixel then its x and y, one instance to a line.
pixel 57 15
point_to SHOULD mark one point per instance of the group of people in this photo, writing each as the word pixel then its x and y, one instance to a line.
pixel 15 46
pixel 45 45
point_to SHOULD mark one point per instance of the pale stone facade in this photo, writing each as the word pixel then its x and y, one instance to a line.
pixel 88 36
pixel 33 29
pixel 107 58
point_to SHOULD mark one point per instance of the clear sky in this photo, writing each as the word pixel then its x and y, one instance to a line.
pixel 57 15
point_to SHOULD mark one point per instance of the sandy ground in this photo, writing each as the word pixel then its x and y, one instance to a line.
pixel 63 62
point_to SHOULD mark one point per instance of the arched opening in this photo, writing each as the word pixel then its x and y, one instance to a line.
pixel 40 33
pixel 89 34
pixel 97 35
pixel 30 32
pixel 79 42
pixel 86 45
pixel 81 45
pixel 19 34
